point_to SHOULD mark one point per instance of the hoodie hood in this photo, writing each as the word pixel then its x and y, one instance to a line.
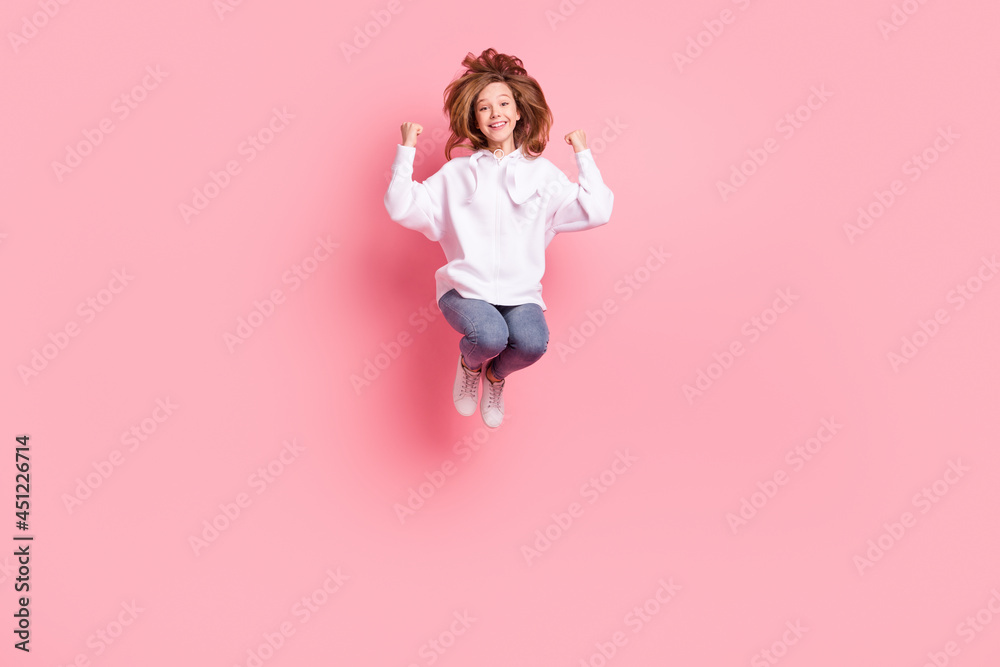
pixel 513 178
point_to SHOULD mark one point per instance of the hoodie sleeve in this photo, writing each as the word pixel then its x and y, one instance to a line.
pixel 414 205
pixel 574 207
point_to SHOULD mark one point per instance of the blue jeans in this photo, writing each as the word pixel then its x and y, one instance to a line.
pixel 516 335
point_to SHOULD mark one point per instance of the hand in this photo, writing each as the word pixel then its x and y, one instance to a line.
pixel 578 140
pixel 410 132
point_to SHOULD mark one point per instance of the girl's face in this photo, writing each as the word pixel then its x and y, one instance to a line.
pixel 496 113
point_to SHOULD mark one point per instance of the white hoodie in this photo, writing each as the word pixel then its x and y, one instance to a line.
pixel 494 218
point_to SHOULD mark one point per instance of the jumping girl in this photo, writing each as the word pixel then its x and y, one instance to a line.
pixel 494 212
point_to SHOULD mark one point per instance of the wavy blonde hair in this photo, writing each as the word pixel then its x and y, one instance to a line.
pixel 531 133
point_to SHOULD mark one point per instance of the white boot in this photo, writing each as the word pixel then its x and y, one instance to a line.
pixel 466 392
pixel 491 406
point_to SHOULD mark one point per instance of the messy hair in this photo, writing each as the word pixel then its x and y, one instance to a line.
pixel 531 133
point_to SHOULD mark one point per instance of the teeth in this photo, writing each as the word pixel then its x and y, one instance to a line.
pixel 496 125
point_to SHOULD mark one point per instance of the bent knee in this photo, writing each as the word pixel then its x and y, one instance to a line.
pixel 533 347
pixel 491 341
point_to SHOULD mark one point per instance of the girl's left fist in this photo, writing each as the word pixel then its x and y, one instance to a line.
pixel 578 140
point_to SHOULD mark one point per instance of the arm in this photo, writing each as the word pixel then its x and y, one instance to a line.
pixel 575 207
pixel 414 205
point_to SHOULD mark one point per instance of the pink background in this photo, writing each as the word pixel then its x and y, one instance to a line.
pixel 663 138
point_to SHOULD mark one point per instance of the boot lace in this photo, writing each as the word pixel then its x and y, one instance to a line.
pixel 470 381
pixel 495 391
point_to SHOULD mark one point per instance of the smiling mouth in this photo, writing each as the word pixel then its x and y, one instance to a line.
pixel 498 126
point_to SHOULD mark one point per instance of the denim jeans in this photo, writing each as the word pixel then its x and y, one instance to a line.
pixel 516 335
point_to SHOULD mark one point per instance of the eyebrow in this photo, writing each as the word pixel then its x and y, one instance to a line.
pixel 498 97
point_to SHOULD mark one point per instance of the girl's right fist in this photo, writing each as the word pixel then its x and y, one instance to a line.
pixel 410 132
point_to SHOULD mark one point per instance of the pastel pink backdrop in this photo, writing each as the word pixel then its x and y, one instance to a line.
pixel 663 137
